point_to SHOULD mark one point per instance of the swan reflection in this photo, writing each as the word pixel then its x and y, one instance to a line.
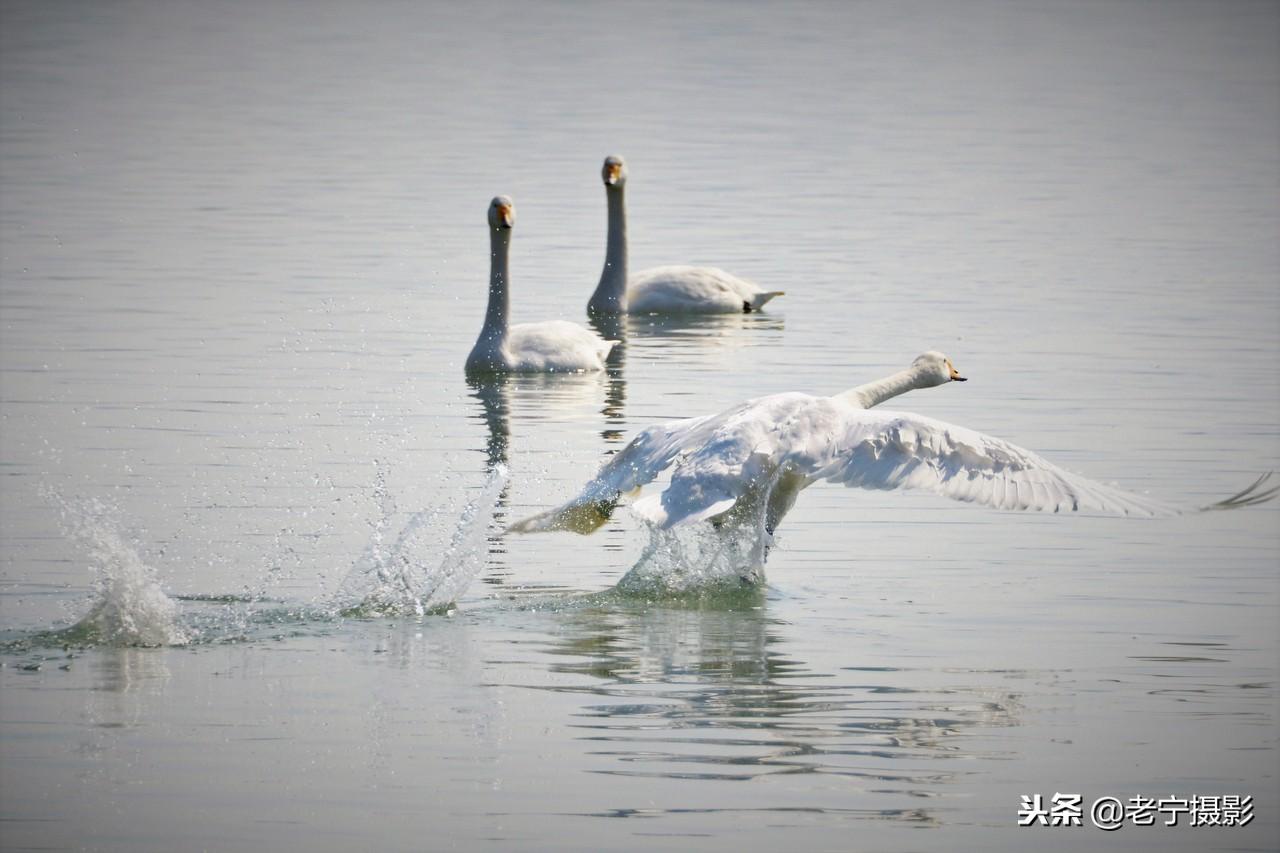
pixel 545 398
pixel 537 401
pixel 706 329
pixel 614 327
pixel 710 690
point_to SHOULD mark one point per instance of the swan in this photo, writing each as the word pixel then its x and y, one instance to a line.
pixel 556 346
pixel 662 290
pixel 757 456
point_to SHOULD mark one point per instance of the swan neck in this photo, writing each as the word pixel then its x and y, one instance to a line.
pixel 875 393
pixel 495 318
pixel 611 293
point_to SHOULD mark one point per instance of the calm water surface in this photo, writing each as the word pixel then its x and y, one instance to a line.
pixel 244 257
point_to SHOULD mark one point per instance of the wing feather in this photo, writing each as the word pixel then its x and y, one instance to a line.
pixel 792 440
pixel 888 450
pixel 647 456
pixel 717 459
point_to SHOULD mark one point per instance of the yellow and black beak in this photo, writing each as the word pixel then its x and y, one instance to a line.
pixel 506 216
pixel 612 173
pixel 955 374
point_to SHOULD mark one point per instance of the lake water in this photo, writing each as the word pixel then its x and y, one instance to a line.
pixel 244 257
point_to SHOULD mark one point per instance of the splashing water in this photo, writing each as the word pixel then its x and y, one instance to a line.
pixel 391 577
pixel 396 578
pixel 700 558
pixel 728 553
pixel 130 609
pixel 465 556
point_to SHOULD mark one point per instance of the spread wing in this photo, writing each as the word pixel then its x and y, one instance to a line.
pixel 888 450
pixel 647 456
pixel 770 448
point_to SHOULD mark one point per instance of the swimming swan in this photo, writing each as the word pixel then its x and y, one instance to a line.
pixel 662 290
pixel 556 346
pixel 758 455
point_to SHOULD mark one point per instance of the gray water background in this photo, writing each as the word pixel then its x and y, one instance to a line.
pixel 244 256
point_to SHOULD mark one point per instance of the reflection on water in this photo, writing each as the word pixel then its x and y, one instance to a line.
pixel 540 398
pixel 537 401
pixel 128 670
pixel 613 327
pixel 235 274
pixel 494 396
pixel 702 330
pixel 124 686
pixel 711 691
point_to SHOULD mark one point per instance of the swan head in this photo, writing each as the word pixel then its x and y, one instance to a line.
pixel 614 172
pixel 502 213
pixel 934 368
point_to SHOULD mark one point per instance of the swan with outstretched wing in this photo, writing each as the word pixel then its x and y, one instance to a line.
pixel 759 455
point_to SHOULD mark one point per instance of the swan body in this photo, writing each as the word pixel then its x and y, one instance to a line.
pixel 757 456
pixel 662 290
pixel 556 346
pixel 553 346
pixel 693 290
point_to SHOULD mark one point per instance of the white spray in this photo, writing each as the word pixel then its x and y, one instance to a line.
pixel 130 609
pixel 397 577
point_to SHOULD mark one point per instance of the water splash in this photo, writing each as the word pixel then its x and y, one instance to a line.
pixel 708 558
pixel 405 576
pixel 129 609
pixel 700 559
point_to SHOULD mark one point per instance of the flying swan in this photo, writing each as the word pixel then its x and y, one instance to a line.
pixel 556 346
pixel 756 457
pixel 662 290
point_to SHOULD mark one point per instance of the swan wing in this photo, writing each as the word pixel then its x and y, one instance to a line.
pixel 788 441
pixel 648 455
pixel 742 453
pixel 889 450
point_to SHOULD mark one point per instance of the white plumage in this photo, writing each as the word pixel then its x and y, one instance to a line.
pixel 555 346
pixel 693 290
pixel 662 290
pixel 756 457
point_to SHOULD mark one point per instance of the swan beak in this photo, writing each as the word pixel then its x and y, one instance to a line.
pixel 504 216
pixel 611 174
pixel 955 375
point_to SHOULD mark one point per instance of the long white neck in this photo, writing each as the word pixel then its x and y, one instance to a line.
pixel 611 293
pixel 875 393
pixel 495 317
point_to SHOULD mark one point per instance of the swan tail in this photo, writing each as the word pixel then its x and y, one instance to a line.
pixel 1251 495
pixel 761 299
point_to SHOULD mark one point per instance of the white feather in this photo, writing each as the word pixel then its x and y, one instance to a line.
pixel 555 346
pixel 693 290
pixel 764 451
